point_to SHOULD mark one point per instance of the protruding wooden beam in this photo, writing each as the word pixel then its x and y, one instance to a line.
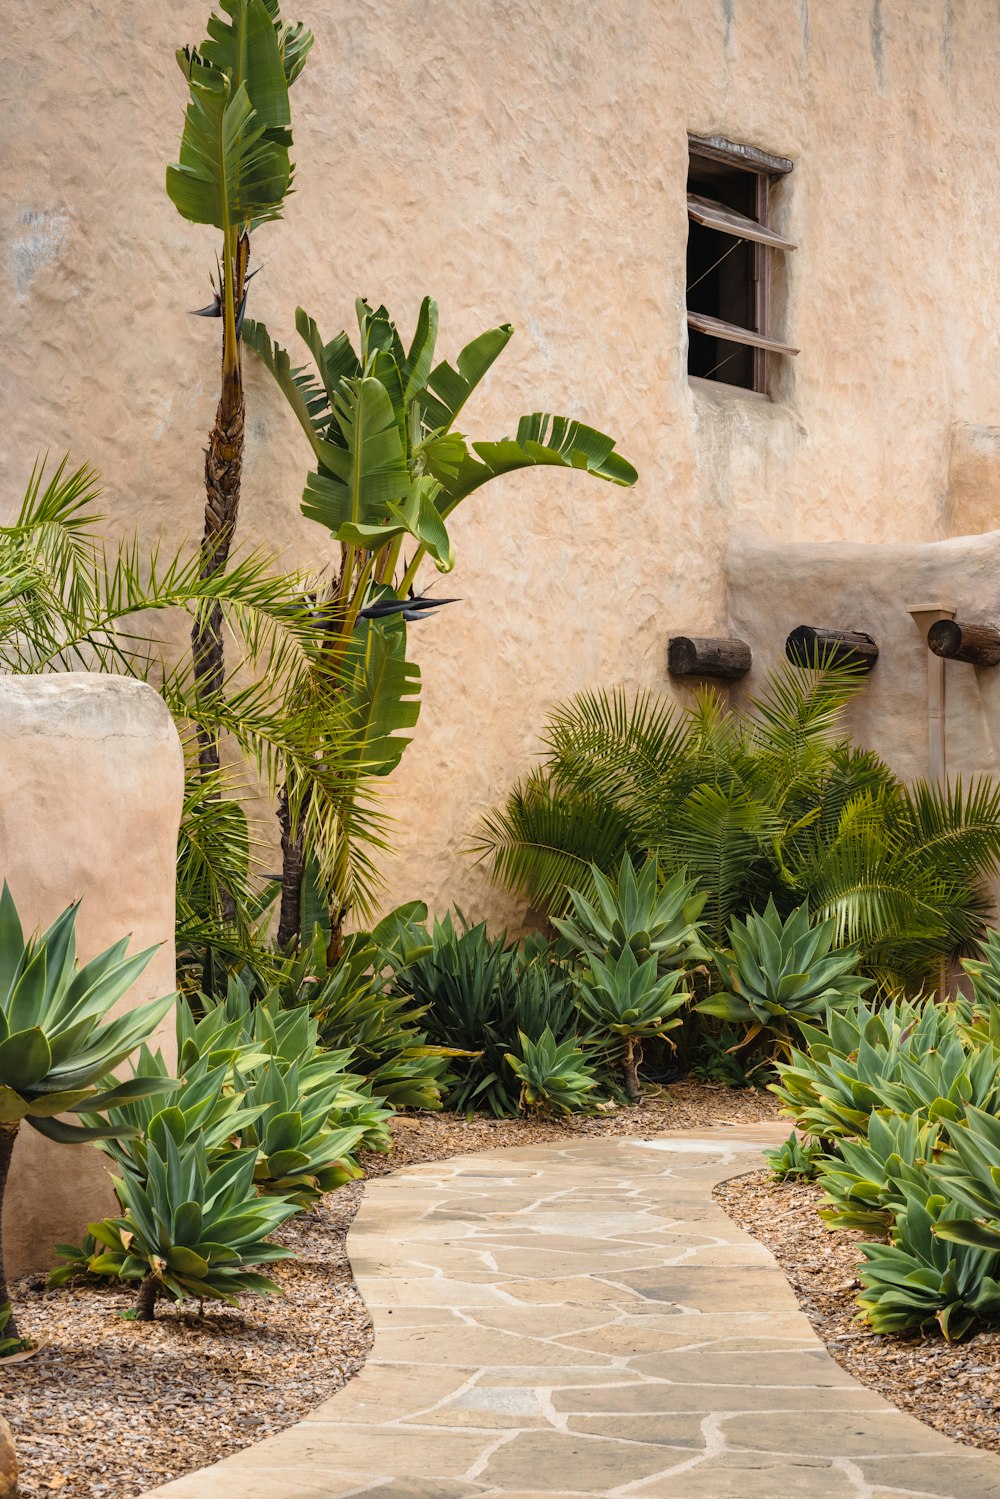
pixel 979 645
pixel 707 656
pixel 808 644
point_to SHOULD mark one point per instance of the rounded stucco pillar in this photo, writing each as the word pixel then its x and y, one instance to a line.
pixel 92 778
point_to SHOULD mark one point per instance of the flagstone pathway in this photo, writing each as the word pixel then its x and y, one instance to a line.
pixel 582 1320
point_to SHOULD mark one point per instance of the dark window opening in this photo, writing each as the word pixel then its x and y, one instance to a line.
pixel 729 243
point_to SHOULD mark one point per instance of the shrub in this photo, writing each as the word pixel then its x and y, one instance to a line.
pixel 477 995
pixel 794 1160
pixel 554 1075
pixel 779 973
pixel 920 1280
pixel 626 1001
pixel 917 1054
pixel 866 1179
pixel 636 913
pixel 192 1228
pixel 57 1046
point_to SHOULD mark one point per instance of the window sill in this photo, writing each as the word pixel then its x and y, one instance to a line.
pixel 720 388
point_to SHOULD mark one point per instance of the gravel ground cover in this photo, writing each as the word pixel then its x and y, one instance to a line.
pixel 108 1407
pixel 954 1387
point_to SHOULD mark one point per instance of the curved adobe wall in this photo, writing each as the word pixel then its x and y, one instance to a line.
pixel 92 781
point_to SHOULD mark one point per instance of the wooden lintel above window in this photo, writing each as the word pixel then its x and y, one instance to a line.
pixel 718 216
pixel 750 158
pixel 736 335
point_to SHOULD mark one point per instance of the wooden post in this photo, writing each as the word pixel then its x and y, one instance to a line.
pixel 808 644
pixel 704 656
pixel 979 645
pixel 925 617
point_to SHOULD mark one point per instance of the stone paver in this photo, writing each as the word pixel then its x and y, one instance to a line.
pixel 580 1320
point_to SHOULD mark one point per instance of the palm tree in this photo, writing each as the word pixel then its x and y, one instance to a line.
pixel 771 802
pixel 233 172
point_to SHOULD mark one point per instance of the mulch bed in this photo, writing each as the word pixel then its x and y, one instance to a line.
pixel 954 1387
pixel 108 1408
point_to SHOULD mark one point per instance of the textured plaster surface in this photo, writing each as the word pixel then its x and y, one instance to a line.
pixel 772 588
pixel 527 161
pixel 92 783
pixel 586 1320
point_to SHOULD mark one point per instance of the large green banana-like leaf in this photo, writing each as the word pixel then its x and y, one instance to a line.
pixel 417 365
pixel 384 691
pixel 228 171
pixel 354 484
pixel 417 516
pixel 541 439
pixel 452 388
pixel 247 49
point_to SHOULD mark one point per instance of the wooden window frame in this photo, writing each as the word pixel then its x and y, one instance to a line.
pixel 766 169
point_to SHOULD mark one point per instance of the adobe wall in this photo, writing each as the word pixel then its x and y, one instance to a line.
pixel 528 162
pixel 92 781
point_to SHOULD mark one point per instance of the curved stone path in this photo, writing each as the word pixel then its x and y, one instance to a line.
pixel 583 1319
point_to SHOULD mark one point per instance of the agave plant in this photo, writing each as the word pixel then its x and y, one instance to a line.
pixel 298 1156
pixel 636 913
pixel 629 1002
pixel 970 1175
pixel 554 1075
pixel 866 1180
pixel 917 1050
pixel 192 1228
pixel 779 972
pixel 390 469
pixel 57 1046
pixel 794 1159
pixel 985 971
pixel 233 173
pixel 920 1280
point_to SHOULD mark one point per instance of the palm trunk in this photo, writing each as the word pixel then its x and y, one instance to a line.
pixel 223 473
pixel 146 1300
pixel 292 865
pixel 630 1067
pixel 8 1138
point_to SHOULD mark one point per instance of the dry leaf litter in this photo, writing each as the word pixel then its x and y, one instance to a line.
pixel 108 1408
pixel 954 1387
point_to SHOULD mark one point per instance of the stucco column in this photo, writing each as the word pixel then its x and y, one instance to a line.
pixel 92 777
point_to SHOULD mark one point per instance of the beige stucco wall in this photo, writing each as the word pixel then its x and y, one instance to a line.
pixel 92 784
pixel 527 162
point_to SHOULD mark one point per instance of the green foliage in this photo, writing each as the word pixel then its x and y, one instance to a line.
pixel 477 995
pixel 356 1008
pixel 68 603
pixel 192 1227
pixel 627 1002
pixel 984 972
pixel 779 973
pixel 770 802
pixel 635 913
pixel 969 1173
pixel 389 469
pixel 9 1345
pixel 554 1075
pixel 57 1045
pixel 866 1179
pixel 298 1156
pixel 794 1160
pixel 917 1055
pixel 921 1280
pixel 380 420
